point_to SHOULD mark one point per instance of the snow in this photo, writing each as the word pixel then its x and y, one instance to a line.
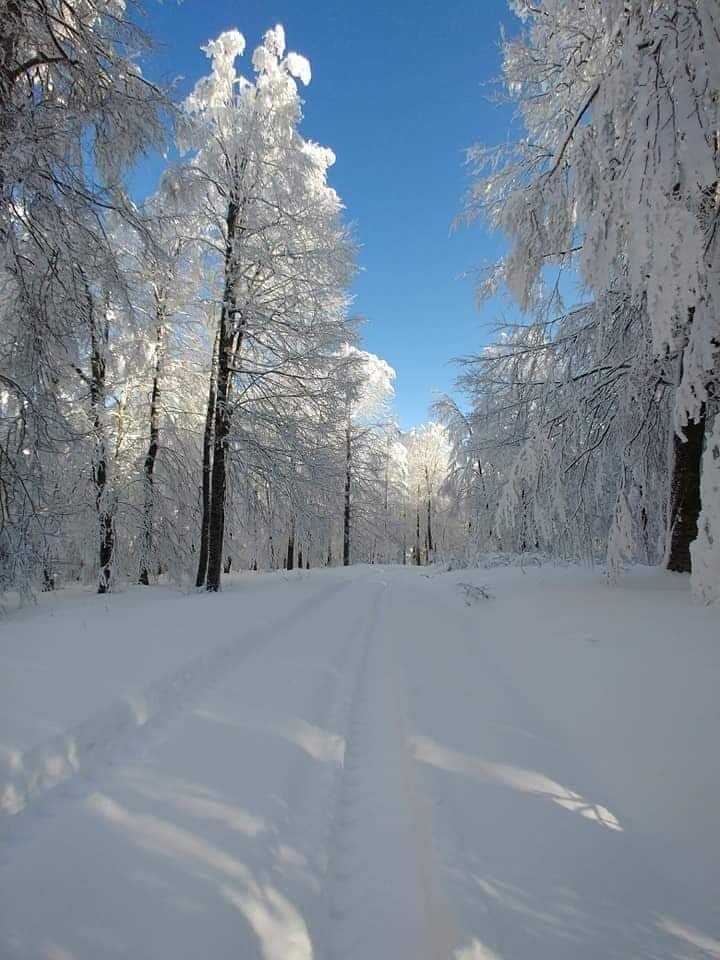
pixel 705 551
pixel 225 49
pixel 299 67
pixel 372 762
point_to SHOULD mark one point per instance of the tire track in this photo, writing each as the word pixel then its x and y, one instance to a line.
pixel 383 901
pixel 46 776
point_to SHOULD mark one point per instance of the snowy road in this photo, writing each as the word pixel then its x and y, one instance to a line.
pixel 379 764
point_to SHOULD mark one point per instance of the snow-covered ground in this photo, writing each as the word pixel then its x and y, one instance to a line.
pixel 363 763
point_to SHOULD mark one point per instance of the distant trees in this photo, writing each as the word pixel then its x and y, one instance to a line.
pixel 368 389
pixel 428 452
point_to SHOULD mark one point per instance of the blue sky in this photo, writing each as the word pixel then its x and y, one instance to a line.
pixel 400 88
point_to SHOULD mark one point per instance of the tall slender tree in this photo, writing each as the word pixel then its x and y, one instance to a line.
pixel 284 255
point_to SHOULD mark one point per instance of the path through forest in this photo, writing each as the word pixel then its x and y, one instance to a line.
pixel 365 763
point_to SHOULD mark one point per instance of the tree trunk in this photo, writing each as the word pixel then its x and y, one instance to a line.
pixel 300 557
pixel 107 529
pixel 271 542
pixel 487 504
pixel 430 543
pixel 386 501
pixel 10 39
pixel 346 512
pixel 685 494
pixel 404 533
pixel 418 559
pixel 151 456
pixel 106 532
pixel 229 340
pixel 207 470
pixel 430 546
pixel 290 561
pixel 218 477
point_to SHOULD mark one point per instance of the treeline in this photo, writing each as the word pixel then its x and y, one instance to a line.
pixel 181 389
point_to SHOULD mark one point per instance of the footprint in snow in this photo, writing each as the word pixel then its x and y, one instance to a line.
pixel 474 593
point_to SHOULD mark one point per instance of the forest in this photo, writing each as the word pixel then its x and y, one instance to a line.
pixel 321 638
pixel 185 391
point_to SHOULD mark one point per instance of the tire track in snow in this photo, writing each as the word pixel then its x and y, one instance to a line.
pixel 51 773
pixel 383 900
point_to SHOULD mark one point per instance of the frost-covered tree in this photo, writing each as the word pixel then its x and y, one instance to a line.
pixel 281 252
pixel 428 461
pixel 174 381
pixel 368 391
pixel 166 348
pixel 473 479
pixel 616 177
pixel 75 112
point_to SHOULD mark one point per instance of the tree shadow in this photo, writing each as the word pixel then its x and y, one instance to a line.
pixel 219 864
pixel 528 881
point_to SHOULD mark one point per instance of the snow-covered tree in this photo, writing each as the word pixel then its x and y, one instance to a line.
pixel 368 390
pixel 281 250
pixel 428 461
pixel 616 177
pixel 75 112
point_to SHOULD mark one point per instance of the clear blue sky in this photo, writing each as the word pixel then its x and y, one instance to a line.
pixel 400 88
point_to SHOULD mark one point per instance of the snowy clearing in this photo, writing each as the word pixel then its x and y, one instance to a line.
pixel 377 762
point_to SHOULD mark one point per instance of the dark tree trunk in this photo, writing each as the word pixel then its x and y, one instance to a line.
pixel 207 471
pixel 270 528
pixel 218 477
pixel 346 511
pixel 300 557
pixel 229 341
pixel 418 559
pixel 386 500
pixel 685 494
pixel 430 546
pixel 107 532
pixel 404 535
pixel 430 543
pixel 290 560
pixel 227 565
pixel 485 498
pixel 151 456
